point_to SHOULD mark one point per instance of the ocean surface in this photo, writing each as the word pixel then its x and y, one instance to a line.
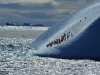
pixel 17 57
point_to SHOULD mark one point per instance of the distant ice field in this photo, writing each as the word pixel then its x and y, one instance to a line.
pixel 21 31
pixel 16 57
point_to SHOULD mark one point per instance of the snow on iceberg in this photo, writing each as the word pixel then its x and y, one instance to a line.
pixel 77 36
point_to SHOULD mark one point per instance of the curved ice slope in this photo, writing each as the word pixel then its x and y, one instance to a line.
pixel 76 36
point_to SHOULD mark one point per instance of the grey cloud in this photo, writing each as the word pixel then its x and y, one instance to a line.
pixel 47 12
pixel 10 6
pixel 26 1
pixel 36 15
pixel 27 7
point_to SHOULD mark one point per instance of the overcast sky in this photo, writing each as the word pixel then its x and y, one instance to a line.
pixel 46 12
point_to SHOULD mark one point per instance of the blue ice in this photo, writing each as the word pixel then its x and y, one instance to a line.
pixel 77 36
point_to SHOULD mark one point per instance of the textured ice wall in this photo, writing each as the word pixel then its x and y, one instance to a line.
pixel 77 27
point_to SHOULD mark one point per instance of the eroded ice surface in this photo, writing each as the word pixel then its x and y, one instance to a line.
pixel 82 32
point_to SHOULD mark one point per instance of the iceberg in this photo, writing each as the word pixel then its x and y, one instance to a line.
pixel 77 36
